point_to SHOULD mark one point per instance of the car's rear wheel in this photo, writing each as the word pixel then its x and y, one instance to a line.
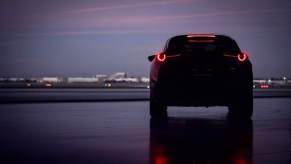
pixel 242 105
pixel 158 110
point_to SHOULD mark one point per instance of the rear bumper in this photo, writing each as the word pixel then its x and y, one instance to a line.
pixel 197 93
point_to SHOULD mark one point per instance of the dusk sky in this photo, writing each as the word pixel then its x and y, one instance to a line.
pixel 81 38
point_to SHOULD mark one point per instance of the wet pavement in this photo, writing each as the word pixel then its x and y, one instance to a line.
pixel 122 132
pixel 32 95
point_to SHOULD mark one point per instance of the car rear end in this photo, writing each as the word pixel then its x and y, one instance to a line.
pixel 200 70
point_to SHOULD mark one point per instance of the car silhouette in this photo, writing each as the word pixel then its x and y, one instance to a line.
pixel 201 70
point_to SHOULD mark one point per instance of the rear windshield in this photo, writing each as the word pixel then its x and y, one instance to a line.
pixel 183 45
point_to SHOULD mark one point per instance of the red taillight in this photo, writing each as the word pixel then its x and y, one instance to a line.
pixel 161 57
pixel 242 57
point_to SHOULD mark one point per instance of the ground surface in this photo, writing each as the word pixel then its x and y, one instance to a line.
pixel 122 132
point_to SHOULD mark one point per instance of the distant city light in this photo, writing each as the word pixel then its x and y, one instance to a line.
pixel 48 85
pixel 115 80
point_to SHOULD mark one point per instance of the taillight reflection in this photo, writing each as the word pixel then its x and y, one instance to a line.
pixel 160 160
pixel 161 57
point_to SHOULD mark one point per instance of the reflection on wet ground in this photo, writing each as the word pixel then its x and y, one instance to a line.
pixel 201 141
pixel 122 132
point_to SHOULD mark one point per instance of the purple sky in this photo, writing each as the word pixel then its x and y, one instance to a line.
pixel 77 37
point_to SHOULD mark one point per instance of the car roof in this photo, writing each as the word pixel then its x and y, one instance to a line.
pixel 219 38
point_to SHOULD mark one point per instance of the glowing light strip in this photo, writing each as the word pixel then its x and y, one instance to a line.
pixel 211 35
pixel 170 56
pixel 201 41
pixel 229 55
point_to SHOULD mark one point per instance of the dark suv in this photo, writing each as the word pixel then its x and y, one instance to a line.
pixel 201 70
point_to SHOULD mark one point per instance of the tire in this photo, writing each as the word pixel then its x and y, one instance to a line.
pixel 158 110
pixel 242 106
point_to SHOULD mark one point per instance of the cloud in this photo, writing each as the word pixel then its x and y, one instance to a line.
pixel 156 19
pixel 88 33
pixel 145 24
pixel 150 21
pixel 125 6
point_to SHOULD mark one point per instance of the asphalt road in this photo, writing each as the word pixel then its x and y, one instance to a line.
pixel 122 132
